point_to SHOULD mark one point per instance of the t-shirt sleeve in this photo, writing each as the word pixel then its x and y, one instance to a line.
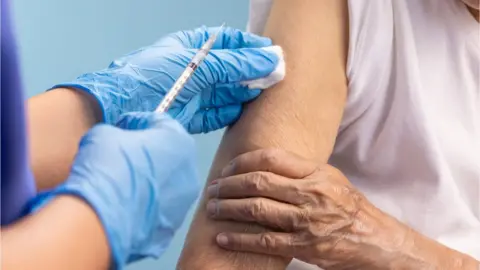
pixel 17 185
pixel 370 54
pixel 258 15
pixel 370 48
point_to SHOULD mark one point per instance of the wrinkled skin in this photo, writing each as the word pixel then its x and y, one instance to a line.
pixel 314 213
pixel 472 3
pixel 473 7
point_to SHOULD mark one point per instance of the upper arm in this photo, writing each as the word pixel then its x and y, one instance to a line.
pixel 302 113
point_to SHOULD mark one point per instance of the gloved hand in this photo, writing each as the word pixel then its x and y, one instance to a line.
pixel 211 99
pixel 140 179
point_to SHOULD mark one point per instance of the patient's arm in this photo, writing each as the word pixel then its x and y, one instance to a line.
pixel 301 114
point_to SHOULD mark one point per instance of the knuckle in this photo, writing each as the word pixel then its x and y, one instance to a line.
pixel 296 223
pixel 267 241
pixel 270 157
pixel 255 209
pixel 316 189
pixel 256 182
pixel 316 197
pixel 301 220
pixel 299 192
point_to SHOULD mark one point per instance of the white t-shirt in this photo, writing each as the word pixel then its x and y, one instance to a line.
pixel 410 135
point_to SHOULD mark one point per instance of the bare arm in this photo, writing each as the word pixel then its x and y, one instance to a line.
pixel 301 115
pixel 57 120
pixel 76 240
pixel 421 252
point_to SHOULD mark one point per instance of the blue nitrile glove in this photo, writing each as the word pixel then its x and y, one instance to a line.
pixel 139 177
pixel 211 99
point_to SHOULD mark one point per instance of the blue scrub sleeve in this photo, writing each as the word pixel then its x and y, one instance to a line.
pixel 17 184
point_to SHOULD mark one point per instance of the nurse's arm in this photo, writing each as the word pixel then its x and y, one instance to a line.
pixel 57 119
pixel 301 115
pixel 65 234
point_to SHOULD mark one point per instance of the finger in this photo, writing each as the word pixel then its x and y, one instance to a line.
pixel 143 120
pixel 257 184
pixel 263 211
pixel 228 94
pixel 205 121
pixel 185 114
pixel 270 243
pixel 270 160
pixel 228 38
pixel 233 66
pixel 273 78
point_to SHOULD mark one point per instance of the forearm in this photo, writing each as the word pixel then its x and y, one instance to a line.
pixel 57 120
pixel 420 252
pixel 66 234
pixel 286 116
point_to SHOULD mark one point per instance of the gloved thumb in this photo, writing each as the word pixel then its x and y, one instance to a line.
pixel 145 120
pixel 246 64
pixel 214 119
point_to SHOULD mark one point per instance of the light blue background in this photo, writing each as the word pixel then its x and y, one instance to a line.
pixel 61 39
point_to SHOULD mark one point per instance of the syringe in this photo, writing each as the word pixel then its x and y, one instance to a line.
pixel 187 73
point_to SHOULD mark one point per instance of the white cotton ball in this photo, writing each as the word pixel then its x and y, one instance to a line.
pixel 273 78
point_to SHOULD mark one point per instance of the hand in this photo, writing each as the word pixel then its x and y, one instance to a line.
pixel 132 175
pixel 314 213
pixel 211 99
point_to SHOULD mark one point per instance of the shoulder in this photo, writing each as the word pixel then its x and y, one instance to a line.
pixel 370 21
pixel 370 37
pixel 258 15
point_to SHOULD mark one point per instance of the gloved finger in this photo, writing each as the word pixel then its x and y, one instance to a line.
pixel 228 94
pixel 228 38
pixel 185 114
pixel 232 66
pixel 173 152
pixel 205 121
pixel 143 120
